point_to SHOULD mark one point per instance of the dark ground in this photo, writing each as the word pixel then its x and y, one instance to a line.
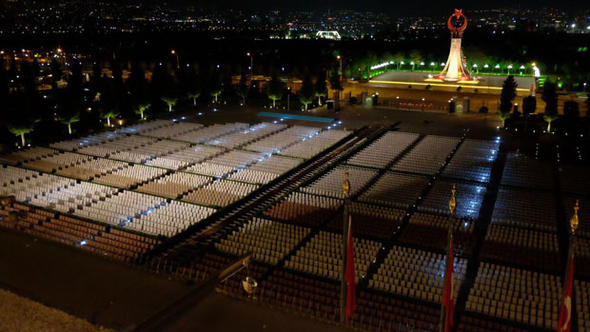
pixel 117 296
pixel 353 117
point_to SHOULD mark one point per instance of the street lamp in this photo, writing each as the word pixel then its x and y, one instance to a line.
pixel 509 67
pixel 248 54
pixel 173 52
pixel 340 62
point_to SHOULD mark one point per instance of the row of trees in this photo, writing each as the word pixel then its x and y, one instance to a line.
pixel 550 96
pixel 308 92
pixel 85 99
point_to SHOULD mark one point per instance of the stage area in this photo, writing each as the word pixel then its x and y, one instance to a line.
pixel 487 83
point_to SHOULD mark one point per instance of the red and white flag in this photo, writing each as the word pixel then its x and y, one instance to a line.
pixel 448 302
pixel 565 314
pixel 349 276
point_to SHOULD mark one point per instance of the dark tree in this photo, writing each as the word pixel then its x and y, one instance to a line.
pixel 550 99
pixel 506 97
pixel 243 89
pixel 120 92
pixel 138 85
pixel 336 85
pixel 109 102
pixel 22 117
pixel 56 74
pixel 3 81
pixel 27 79
pixel 190 84
pixel 306 93
pixel 157 89
pixel 321 89
pixel 529 105
pixel 508 94
pixel 571 110
pixel 70 102
pixel 75 80
pixel 215 85
pixel 274 89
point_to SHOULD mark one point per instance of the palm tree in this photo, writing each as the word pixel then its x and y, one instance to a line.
pixel 243 89
pixel 215 93
pixel 550 98
pixel 415 57
pixel 549 118
pixel 194 94
pixel 21 130
pixel 503 116
pixel 274 90
pixel 306 93
pixel 215 86
pixel 398 58
pixel 69 120
pixel 141 108
pixel 320 89
pixel 108 115
pixel 170 101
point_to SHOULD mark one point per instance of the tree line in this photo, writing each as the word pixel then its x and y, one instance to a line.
pixel 85 96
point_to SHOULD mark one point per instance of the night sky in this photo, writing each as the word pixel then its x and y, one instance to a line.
pixel 392 6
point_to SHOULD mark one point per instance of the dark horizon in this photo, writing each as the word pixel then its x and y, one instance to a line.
pixel 425 7
pixel 398 8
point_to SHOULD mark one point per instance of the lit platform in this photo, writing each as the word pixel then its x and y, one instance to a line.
pixel 438 80
pixel 483 82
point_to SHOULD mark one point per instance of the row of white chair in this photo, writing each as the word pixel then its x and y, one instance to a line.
pixel 277 142
pixel 156 149
pixel 523 171
pixel 473 161
pixel 330 184
pixel 220 193
pixel 383 150
pixel 268 241
pixel 185 157
pixel 514 294
pixel 395 189
pixel 311 146
pixel 428 156
pixel 531 209
pixel 322 256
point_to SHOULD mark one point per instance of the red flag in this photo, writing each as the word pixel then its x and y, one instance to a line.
pixel 448 302
pixel 565 314
pixel 349 276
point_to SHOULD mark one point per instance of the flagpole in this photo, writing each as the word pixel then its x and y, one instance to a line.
pixel 452 206
pixel 346 190
pixel 574 221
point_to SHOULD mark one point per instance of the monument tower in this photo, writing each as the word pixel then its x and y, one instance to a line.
pixel 455 68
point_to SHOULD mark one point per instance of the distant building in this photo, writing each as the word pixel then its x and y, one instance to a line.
pixel 334 35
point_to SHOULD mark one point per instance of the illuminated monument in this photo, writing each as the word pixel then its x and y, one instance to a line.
pixel 455 68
